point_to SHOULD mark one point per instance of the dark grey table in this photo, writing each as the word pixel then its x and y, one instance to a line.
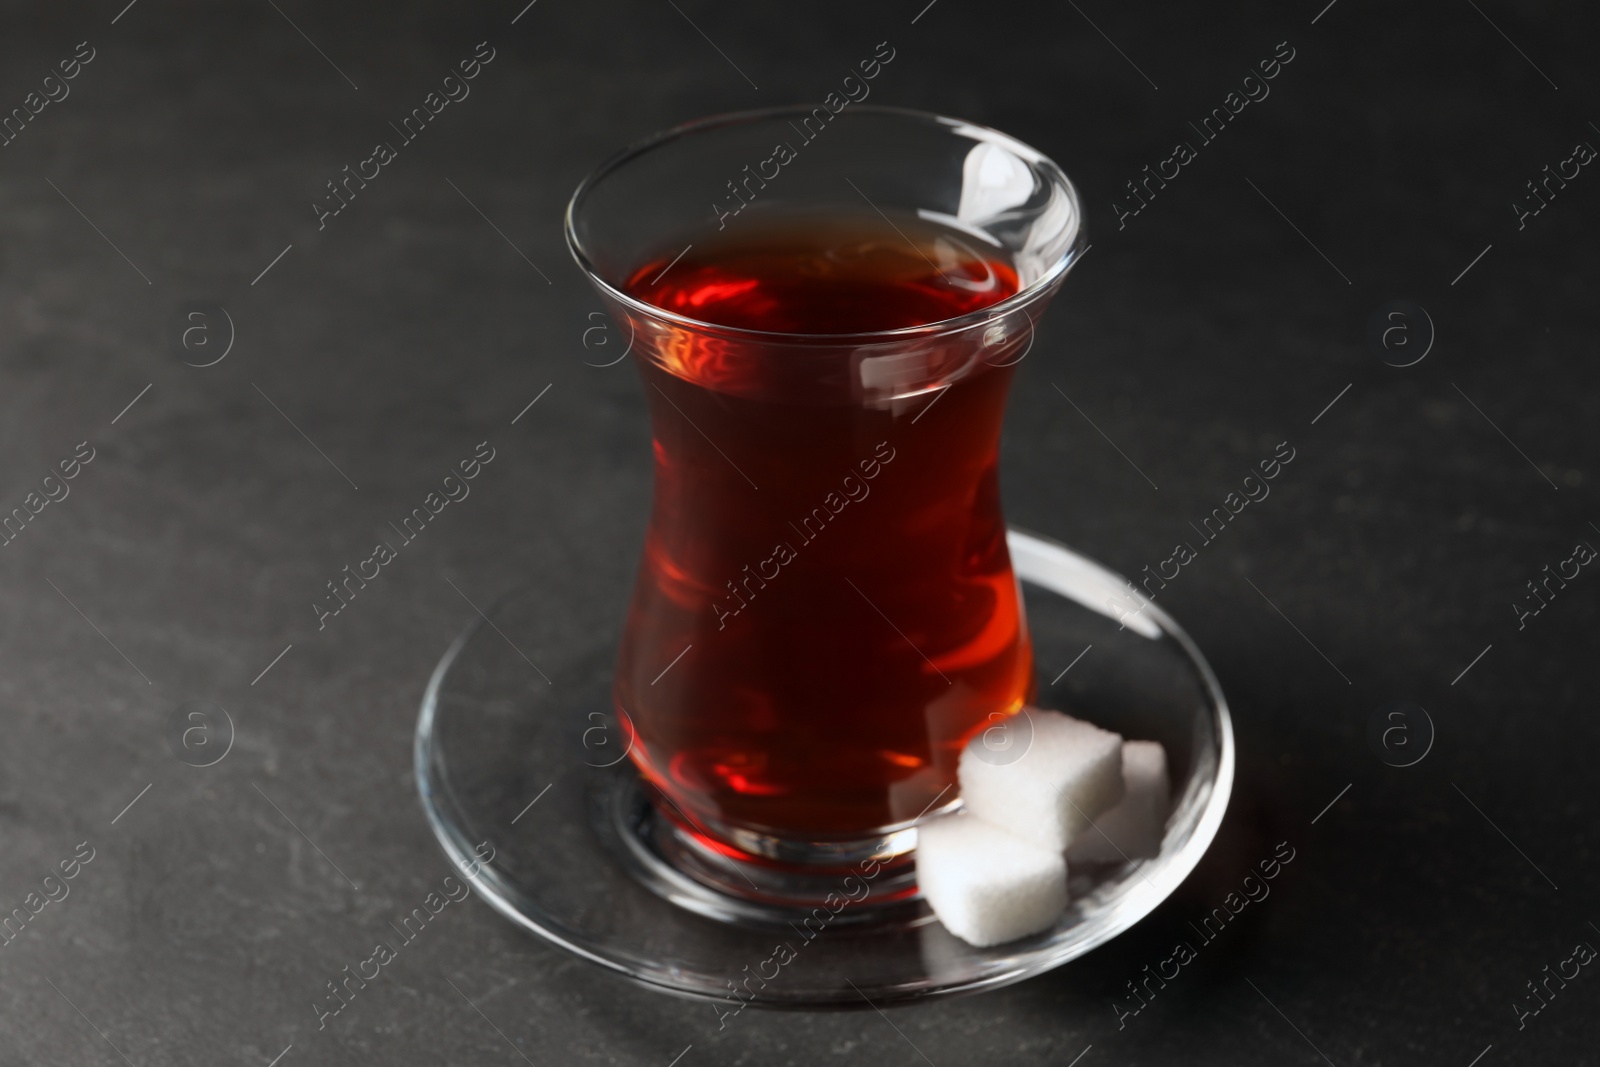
pixel 374 349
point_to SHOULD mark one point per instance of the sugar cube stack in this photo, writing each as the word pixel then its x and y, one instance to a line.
pixel 1068 792
pixel 1068 773
pixel 987 886
pixel 1131 830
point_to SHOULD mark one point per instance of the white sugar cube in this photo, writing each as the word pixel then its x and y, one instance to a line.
pixel 985 885
pixel 1131 830
pixel 1044 779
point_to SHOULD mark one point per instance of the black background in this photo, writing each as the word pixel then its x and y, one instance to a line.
pixel 1199 336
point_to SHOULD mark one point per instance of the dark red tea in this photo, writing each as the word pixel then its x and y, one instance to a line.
pixel 826 609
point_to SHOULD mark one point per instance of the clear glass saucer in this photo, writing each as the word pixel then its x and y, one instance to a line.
pixel 536 772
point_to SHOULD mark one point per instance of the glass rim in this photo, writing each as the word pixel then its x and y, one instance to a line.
pixel 982 316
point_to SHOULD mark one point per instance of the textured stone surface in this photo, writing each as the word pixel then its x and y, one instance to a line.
pixel 1197 338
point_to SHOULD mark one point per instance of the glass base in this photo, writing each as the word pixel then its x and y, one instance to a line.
pixel 685 868
pixel 534 775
